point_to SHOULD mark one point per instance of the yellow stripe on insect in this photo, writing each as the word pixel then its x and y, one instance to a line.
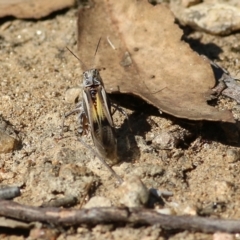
pixel 100 111
pixel 94 114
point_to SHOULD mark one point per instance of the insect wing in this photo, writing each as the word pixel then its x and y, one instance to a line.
pixel 88 105
pixel 105 131
pixel 103 106
pixel 101 123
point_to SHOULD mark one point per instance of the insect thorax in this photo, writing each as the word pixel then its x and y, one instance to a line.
pixel 92 78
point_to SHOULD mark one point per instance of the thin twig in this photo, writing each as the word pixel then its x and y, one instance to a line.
pixel 67 201
pixel 9 192
pixel 110 43
pixel 115 215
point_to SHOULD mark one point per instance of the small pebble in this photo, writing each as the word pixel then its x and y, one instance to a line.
pixel 219 18
pixel 133 192
pixel 7 143
pixel 165 140
pixel 43 233
pixel 182 209
pixel 232 155
pixel 166 211
pixel 98 202
pixel 222 236
pixel 190 210
pixel 222 189
pixel 72 94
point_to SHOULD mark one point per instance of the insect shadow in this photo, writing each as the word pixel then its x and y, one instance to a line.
pixel 135 125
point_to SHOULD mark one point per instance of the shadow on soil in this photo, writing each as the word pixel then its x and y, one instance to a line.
pixel 225 133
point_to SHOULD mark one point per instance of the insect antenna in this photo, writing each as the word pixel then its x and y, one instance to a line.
pixel 94 56
pixel 97 46
pixel 83 65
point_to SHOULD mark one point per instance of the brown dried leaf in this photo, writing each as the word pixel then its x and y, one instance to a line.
pixel 148 58
pixel 32 8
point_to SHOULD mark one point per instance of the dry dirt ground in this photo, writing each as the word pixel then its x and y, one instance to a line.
pixel 201 170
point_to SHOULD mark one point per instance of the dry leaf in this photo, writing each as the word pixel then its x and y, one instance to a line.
pixel 143 54
pixel 32 8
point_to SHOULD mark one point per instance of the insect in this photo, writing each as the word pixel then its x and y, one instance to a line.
pixel 96 107
pixel 95 111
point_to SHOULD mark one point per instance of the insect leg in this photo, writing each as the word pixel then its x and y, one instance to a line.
pixel 78 108
pixel 120 180
pixel 83 122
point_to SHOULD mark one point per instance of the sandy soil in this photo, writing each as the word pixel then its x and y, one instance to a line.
pixel 201 168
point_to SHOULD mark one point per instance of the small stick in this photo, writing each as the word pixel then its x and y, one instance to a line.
pixel 66 201
pixel 9 192
pixel 116 215
pixel 110 43
pixel 64 117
